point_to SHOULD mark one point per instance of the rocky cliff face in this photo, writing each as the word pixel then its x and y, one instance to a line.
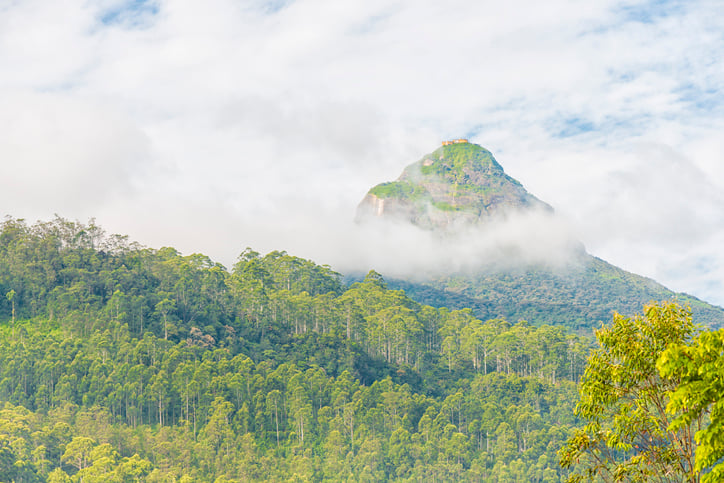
pixel 456 185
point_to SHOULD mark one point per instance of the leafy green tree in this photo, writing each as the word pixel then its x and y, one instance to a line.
pixel 273 403
pixel 58 476
pixel 452 334
pixel 134 469
pixel 103 463
pixel 624 401
pixel 217 433
pixel 700 395
pixel 78 452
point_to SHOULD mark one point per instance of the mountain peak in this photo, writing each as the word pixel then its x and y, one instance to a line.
pixel 458 184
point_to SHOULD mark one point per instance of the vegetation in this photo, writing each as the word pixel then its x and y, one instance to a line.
pixel 652 397
pixel 628 435
pixel 400 190
pixel 580 296
pixel 455 161
pixel 123 363
pixel 444 206
pixel 698 367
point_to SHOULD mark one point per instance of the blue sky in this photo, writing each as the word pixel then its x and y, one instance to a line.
pixel 129 14
pixel 212 126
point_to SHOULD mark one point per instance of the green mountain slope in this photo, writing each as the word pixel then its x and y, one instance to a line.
pixel 462 185
pixel 580 298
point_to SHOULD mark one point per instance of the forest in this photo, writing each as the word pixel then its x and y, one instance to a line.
pixel 124 363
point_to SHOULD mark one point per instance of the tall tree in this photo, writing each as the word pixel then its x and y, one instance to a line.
pixel 624 400
pixel 11 298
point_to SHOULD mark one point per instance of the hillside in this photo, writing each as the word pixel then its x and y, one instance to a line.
pixel 125 363
pixel 580 298
pixel 460 187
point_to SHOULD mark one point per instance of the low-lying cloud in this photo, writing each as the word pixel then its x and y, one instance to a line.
pixel 403 250
pixel 504 242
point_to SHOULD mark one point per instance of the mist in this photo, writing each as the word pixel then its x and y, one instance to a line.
pixel 402 250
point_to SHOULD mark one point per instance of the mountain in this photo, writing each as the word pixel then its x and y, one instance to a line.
pixel 461 187
pixel 458 184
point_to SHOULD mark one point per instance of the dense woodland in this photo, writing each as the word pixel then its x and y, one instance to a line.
pixel 124 363
pixel 581 296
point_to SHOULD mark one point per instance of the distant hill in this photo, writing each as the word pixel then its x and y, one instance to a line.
pixel 461 185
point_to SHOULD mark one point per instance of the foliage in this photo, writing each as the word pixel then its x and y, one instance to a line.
pixel 401 190
pixel 444 206
pixel 699 366
pixel 453 160
pixel 466 177
pixel 628 435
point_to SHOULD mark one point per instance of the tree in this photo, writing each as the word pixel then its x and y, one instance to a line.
pixel 103 463
pixel 699 366
pixel 78 452
pixel 11 298
pixel 272 401
pixel 58 476
pixel 133 468
pixel 218 433
pixel 164 307
pixel 454 335
pixel 624 401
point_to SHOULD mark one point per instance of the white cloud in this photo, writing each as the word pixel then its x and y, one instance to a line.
pixel 61 153
pixel 212 127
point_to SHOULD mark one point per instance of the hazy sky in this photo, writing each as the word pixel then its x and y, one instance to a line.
pixel 212 126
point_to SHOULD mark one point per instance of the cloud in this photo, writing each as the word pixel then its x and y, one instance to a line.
pixel 517 239
pixel 643 206
pixel 404 250
pixel 212 127
pixel 61 153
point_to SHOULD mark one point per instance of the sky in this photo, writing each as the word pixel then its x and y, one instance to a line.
pixel 218 125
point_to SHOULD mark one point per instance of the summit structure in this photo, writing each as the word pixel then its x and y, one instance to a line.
pixel 455 141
